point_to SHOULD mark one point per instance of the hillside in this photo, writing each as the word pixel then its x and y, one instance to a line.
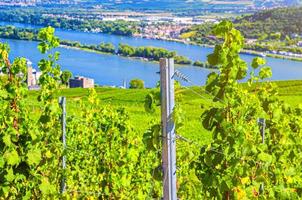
pixel 196 4
pixel 176 3
pixel 133 101
pixel 162 5
pixel 280 25
pixel 284 20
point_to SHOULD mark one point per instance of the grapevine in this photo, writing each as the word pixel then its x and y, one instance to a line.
pixel 108 159
pixel 236 164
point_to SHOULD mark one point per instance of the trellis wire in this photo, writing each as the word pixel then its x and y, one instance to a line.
pixel 188 80
pixel 179 137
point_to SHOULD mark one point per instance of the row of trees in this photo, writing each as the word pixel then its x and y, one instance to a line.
pixel 204 65
pixel 146 52
pixel 152 53
pixel 103 47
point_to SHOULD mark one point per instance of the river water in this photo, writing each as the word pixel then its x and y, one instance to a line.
pixel 113 70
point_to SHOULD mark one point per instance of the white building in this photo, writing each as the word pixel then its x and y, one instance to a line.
pixel 32 77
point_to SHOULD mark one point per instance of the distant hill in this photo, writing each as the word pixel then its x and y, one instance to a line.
pixel 196 4
pixel 286 21
pixel 271 24
pixel 163 5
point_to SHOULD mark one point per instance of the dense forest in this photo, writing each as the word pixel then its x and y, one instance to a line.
pixel 118 27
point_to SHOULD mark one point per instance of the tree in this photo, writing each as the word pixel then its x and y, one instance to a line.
pixel 65 76
pixel 137 84
pixel 107 47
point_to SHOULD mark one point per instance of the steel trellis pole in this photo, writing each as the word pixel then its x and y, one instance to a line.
pixel 168 128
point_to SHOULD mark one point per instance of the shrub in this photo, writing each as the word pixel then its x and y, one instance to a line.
pixel 137 84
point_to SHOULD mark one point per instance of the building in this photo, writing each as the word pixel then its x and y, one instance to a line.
pixel 32 77
pixel 81 82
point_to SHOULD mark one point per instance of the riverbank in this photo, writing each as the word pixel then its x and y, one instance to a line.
pixel 265 54
pixel 106 53
pixel 113 70
pixel 243 51
pixel 145 53
pixel 31 34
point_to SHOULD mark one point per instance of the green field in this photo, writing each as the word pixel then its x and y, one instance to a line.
pixel 133 101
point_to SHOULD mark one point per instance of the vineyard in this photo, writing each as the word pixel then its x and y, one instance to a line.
pixel 233 140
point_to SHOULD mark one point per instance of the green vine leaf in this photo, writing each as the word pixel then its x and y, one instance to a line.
pixel 12 157
pixel 257 62
pixel 34 157
pixel 265 72
pixel 10 175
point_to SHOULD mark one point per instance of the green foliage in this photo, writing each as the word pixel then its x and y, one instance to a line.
pixel 268 24
pixel 271 30
pixel 103 153
pixel 182 60
pixel 275 23
pixel 26 169
pixel 236 164
pixel 200 34
pixel 65 76
pixel 107 47
pixel 204 65
pixel 136 84
pixel 110 157
pixel 118 27
pixel 151 53
pixel 187 182
pixel 12 32
pixel 257 62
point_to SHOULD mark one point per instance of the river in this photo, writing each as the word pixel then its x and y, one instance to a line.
pixel 113 70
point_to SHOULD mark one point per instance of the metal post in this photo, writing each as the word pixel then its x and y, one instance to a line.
pixel 262 124
pixel 62 102
pixel 168 127
pixel 262 129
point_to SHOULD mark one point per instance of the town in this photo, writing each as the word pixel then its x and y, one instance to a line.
pixel 164 26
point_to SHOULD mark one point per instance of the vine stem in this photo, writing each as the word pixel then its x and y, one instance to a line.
pixel 13 103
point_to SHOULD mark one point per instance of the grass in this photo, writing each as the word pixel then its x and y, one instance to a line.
pixel 133 102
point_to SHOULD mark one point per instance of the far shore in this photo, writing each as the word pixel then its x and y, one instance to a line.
pixel 243 51
pixel 105 53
